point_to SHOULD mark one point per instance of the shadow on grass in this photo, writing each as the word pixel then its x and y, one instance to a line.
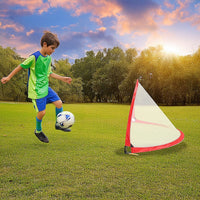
pixel 172 150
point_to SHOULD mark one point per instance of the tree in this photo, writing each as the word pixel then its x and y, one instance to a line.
pixel 68 93
pixel 131 55
pixel 16 88
pixel 110 75
pixel 85 68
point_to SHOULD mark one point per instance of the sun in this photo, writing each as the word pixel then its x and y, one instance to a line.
pixel 171 49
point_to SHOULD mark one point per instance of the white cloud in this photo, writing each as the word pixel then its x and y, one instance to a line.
pixel 12 25
pixel 30 32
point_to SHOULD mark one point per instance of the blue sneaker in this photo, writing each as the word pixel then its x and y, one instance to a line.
pixel 57 127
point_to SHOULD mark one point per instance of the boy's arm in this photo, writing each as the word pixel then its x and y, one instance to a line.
pixel 62 78
pixel 15 71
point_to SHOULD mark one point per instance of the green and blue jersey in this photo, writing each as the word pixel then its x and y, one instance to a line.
pixel 39 69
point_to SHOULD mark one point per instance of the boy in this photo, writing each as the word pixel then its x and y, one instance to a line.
pixel 39 69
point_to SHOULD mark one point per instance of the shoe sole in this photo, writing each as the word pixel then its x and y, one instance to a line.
pixel 45 140
pixel 60 129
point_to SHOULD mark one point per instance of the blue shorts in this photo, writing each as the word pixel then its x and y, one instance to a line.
pixel 40 104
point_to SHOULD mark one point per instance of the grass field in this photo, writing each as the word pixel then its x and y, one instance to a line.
pixel 89 162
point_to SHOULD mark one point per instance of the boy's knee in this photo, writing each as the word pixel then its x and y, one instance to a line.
pixel 41 114
pixel 58 103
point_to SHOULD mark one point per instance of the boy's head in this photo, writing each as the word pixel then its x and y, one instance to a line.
pixel 50 39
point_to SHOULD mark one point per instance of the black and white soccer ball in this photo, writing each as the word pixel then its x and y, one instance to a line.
pixel 65 119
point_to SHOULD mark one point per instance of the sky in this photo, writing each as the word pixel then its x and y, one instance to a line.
pixel 84 25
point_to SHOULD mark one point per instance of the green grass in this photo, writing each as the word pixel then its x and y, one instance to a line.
pixel 89 162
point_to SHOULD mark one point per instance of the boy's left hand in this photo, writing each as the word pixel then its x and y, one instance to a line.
pixel 67 80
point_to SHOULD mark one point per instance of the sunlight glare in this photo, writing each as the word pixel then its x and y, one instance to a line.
pixel 170 49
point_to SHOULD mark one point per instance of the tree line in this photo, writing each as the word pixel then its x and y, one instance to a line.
pixel 110 75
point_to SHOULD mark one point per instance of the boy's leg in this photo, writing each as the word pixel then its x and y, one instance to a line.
pixel 39 118
pixel 40 106
pixel 59 108
pixel 55 99
pixel 38 125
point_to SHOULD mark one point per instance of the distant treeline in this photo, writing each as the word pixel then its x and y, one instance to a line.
pixel 110 76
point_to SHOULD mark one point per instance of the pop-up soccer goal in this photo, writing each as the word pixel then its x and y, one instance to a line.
pixel 148 128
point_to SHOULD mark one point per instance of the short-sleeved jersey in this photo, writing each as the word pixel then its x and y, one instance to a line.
pixel 39 69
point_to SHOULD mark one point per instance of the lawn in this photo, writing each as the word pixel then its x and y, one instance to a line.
pixel 89 162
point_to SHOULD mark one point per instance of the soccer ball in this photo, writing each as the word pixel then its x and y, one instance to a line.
pixel 65 119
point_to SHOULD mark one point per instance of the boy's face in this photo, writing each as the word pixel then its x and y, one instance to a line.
pixel 49 49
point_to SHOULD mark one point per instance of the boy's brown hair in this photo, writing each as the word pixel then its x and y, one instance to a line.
pixel 50 39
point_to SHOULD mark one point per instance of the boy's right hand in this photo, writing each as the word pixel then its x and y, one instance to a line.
pixel 5 80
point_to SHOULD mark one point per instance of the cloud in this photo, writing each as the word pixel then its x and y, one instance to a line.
pixel 11 25
pixel 74 40
pixel 30 32
pixel 102 29
pixel 3 13
pixel 73 43
pixel 168 4
pixel 31 5
pixel 102 8
pixel 70 26
pixel 183 11
pixel 56 26
pixel 130 15
pixel 71 57
pixel 134 16
pixel 195 20
pixel 99 36
pixel 67 4
pixel 137 16
pixel 22 46
pixel 174 15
